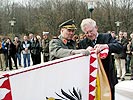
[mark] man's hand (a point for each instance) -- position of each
(80, 51)
(100, 47)
(90, 49)
(26, 49)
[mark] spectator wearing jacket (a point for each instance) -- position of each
(5, 51)
(45, 46)
(11, 53)
(2, 57)
(120, 59)
(31, 39)
(36, 51)
(130, 51)
(26, 46)
(17, 44)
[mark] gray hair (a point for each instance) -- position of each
(87, 22)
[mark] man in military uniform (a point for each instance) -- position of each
(45, 46)
(64, 46)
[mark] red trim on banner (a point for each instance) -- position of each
(92, 60)
(92, 88)
(41, 66)
(91, 97)
(92, 78)
(92, 68)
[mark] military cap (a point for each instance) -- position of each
(45, 33)
(69, 24)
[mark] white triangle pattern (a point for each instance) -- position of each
(94, 55)
(93, 93)
(3, 93)
(94, 64)
(93, 83)
(94, 73)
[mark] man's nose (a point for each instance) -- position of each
(89, 34)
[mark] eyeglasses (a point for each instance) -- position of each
(90, 31)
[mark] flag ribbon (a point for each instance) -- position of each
(103, 91)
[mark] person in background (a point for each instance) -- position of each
(35, 50)
(120, 59)
(17, 44)
(39, 39)
(11, 52)
(125, 35)
(26, 46)
(81, 36)
(76, 39)
(5, 51)
(40, 42)
(31, 38)
(98, 42)
(2, 57)
(113, 34)
(130, 49)
(45, 46)
(128, 58)
(64, 46)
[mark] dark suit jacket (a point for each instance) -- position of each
(114, 47)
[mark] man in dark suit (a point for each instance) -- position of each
(98, 42)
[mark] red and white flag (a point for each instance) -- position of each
(69, 77)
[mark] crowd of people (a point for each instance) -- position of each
(116, 64)
(123, 61)
(30, 47)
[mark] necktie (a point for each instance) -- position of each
(94, 42)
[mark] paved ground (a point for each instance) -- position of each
(127, 77)
(21, 64)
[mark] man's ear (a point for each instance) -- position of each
(62, 29)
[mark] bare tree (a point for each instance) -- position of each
(46, 15)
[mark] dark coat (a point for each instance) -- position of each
(45, 45)
(114, 47)
(123, 54)
(11, 49)
(18, 46)
(35, 48)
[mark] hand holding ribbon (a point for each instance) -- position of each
(101, 49)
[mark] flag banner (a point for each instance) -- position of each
(69, 78)
(54, 79)
(101, 89)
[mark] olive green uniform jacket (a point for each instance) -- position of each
(60, 47)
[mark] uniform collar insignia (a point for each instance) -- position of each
(64, 41)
